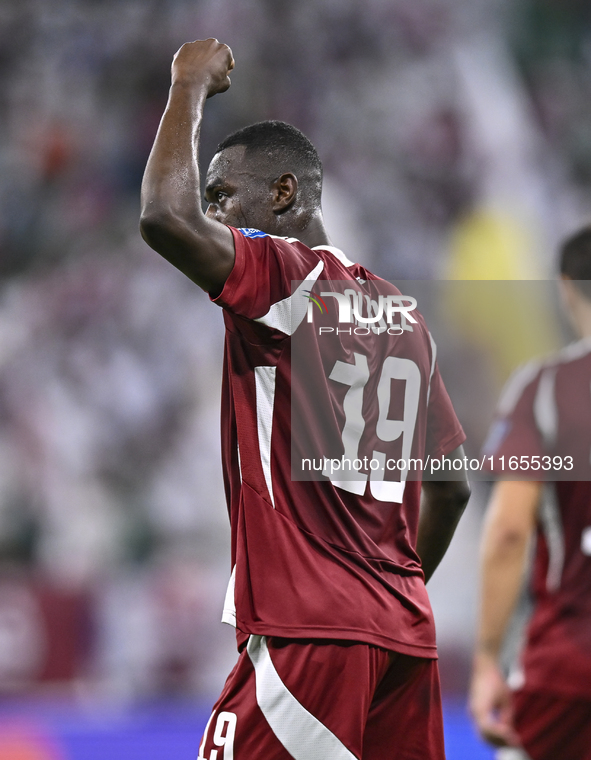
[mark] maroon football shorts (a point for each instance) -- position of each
(553, 727)
(302, 699)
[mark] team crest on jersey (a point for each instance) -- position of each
(250, 232)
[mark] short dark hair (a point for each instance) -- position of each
(286, 150)
(575, 260)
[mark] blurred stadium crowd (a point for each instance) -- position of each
(456, 139)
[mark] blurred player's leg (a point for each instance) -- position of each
(553, 728)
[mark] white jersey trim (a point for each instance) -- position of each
(433, 361)
(239, 461)
(302, 734)
(573, 351)
(551, 522)
(337, 253)
(516, 384)
(229, 611)
(265, 400)
(287, 315)
(251, 232)
(546, 409)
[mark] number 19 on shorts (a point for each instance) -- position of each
(223, 737)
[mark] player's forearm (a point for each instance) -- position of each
(443, 504)
(171, 191)
(504, 552)
(510, 520)
(172, 221)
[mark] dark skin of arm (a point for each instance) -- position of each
(238, 191)
(442, 505)
(172, 221)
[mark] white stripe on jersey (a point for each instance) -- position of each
(433, 360)
(239, 462)
(573, 351)
(265, 399)
(524, 375)
(516, 385)
(545, 407)
(551, 522)
(302, 735)
(229, 611)
(287, 315)
(337, 253)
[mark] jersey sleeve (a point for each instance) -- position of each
(264, 269)
(514, 431)
(444, 432)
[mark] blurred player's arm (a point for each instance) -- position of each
(442, 505)
(172, 220)
(508, 527)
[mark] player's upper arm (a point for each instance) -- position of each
(201, 248)
(453, 489)
(512, 511)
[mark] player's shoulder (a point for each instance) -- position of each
(577, 352)
(528, 375)
(335, 261)
(524, 377)
(251, 233)
(335, 258)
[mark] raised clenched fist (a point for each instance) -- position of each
(203, 62)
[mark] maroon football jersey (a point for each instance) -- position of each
(316, 552)
(545, 411)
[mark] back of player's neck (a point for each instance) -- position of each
(314, 234)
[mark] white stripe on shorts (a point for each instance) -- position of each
(302, 735)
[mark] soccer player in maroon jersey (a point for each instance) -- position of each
(545, 415)
(327, 592)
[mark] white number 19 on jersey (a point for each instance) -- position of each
(356, 376)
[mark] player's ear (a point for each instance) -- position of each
(285, 189)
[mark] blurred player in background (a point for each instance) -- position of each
(327, 594)
(545, 411)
